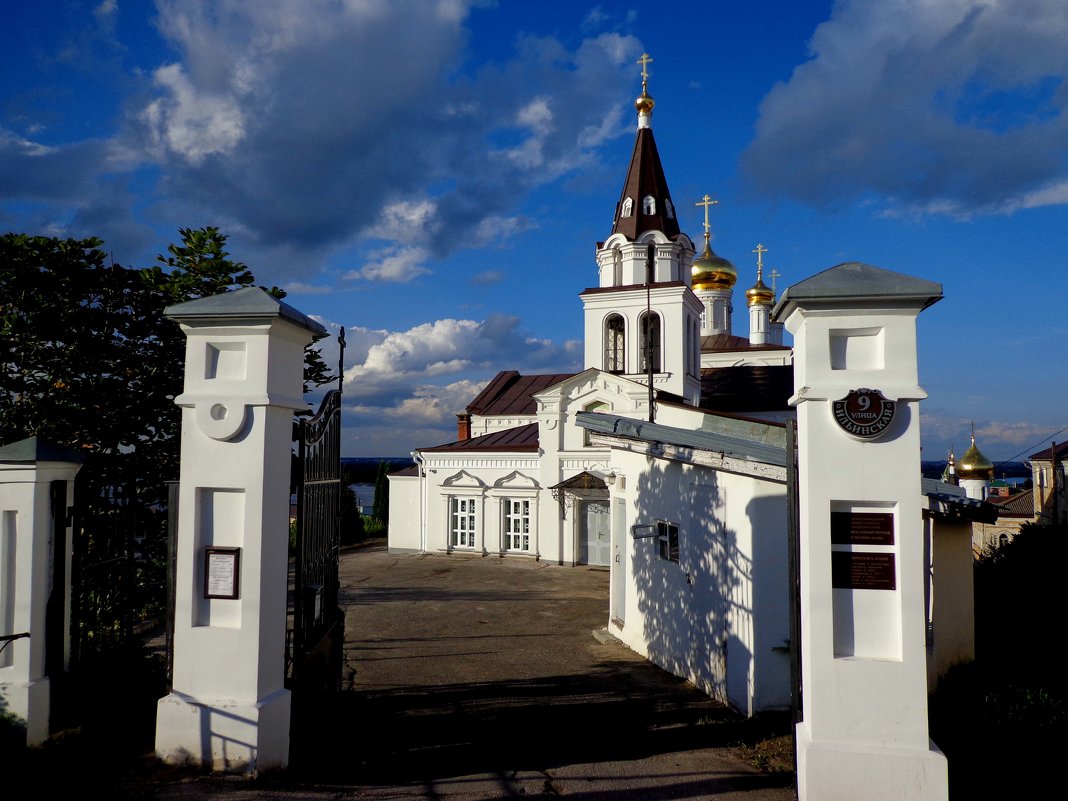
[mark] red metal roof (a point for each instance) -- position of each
(512, 393)
(1022, 504)
(1062, 452)
(720, 342)
(523, 438)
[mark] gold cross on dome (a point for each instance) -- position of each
(645, 61)
(707, 201)
(760, 251)
(774, 274)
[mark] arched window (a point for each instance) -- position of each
(649, 205)
(628, 208)
(669, 209)
(650, 342)
(1003, 540)
(596, 406)
(614, 341)
(617, 268)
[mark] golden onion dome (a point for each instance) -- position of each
(710, 271)
(973, 465)
(644, 103)
(760, 293)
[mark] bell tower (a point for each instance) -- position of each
(642, 320)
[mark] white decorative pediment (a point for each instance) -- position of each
(463, 479)
(516, 480)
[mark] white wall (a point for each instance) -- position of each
(403, 513)
(716, 615)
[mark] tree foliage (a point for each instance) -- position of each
(89, 361)
(380, 508)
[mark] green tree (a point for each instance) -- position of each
(89, 362)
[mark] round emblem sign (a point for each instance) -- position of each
(864, 413)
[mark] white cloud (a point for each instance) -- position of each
(274, 121)
(950, 107)
(463, 348)
(192, 124)
(394, 264)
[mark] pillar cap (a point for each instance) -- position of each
(857, 283)
(37, 449)
(248, 304)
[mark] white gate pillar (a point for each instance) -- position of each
(28, 573)
(864, 731)
(229, 708)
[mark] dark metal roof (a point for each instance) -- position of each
(629, 428)
(751, 388)
(645, 177)
(1022, 504)
(36, 449)
(250, 303)
(726, 342)
(413, 470)
(583, 481)
(598, 290)
(522, 438)
(512, 393)
(857, 281)
(951, 502)
(1062, 452)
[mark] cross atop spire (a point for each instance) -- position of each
(645, 61)
(760, 251)
(773, 275)
(707, 201)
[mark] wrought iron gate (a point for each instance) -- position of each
(315, 642)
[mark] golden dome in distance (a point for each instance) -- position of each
(760, 292)
(710, 271)
(973, 465)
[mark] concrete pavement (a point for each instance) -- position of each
(481, 678)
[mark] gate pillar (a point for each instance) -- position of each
(229, 708)
(36, 490)
(863, 732)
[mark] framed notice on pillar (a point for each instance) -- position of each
(222, 572)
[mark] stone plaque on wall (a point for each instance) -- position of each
(862, 528)
(851, 570)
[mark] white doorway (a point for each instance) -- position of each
(595, 536)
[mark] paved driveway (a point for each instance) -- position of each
(482, 678)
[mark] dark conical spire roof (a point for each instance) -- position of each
(645, 179)
(645, 204)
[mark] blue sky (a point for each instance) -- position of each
(433, 175)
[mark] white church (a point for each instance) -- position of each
(664, 460)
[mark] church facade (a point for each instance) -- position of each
(688, 503)
(665, 460)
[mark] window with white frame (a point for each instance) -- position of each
(668, 535)
(462, 522)
(517, 525)
(650, 342)
(614, 344)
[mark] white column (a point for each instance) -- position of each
(864, 676)
(229, 708)
(27, 575)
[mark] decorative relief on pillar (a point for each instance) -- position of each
(222, 420)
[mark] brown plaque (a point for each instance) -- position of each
(864, 413)
(862, 528)
(863, 571)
